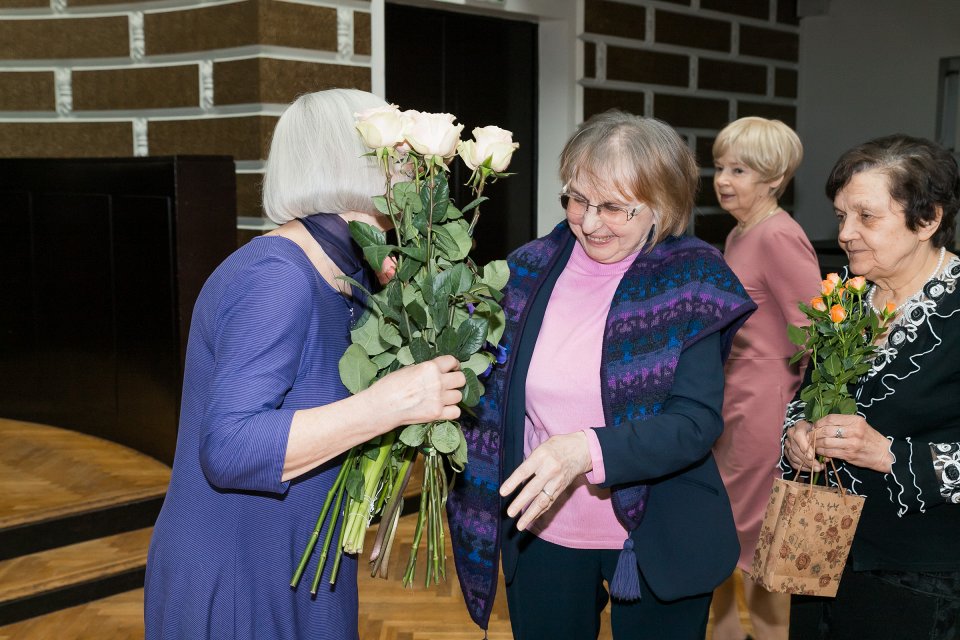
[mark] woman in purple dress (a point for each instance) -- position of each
(264, 417)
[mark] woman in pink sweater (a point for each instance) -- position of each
(755, 159)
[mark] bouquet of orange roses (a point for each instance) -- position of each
(840, 343)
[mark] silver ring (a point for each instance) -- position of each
(548, 494)
(839, 433)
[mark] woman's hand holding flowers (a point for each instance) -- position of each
(548, 471)
(798, 447)
(846, 437)
(418, 393)
(859, 443)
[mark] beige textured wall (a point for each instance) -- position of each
(105, 78)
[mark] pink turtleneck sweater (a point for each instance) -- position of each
(563, 396)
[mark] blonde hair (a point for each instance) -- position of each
(769, 147)
(316, 162)
(644, 158)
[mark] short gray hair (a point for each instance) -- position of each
(317, 162)
(642, 157)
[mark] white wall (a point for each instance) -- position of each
(867, 68)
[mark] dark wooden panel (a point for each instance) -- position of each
(479, 95)
(103, 262)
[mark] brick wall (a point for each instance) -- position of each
(697, 65)
(102, 78)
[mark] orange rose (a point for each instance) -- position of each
(857, 284)
(889, 308)
(834, 278)
(818, 304)
(837, 313)
(827, 287)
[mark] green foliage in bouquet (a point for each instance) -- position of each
(438, 302)
(839, 342)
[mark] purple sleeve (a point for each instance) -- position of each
(258, 345)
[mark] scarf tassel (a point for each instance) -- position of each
(626, 579)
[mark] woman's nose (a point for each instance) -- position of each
(845, 231)
(591, 219)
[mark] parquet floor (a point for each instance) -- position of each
(47, 472)
(387, 610)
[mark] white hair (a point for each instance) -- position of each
(317, 162)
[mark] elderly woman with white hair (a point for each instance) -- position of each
(264, 417)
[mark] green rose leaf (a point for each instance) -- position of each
(458, 459)
(367, 334)
(418, 314)
(366, 235)
(354, 484)
(496, 320)
(453, 240)
(472, 390)
(408, 268)
(390, 335)
(471, 335)
(376, 254)
(475, 203)
(414, 434)
(832, 365)
(847, 407)
(496, 274)
(384, 360)
(796, 335)
(439, 312)
(477, 363)
(357, 371)
(421, 350)
(460, 279)
(404, 356)
(441, 197)
(452, 212)
(406, 196)
(380, 203)
(417, 253)
(447, 342)
(445, 436)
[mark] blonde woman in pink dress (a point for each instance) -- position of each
(755, 159)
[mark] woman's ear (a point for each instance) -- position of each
(775, 184)
(927, 228)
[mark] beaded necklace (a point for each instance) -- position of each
(936, 271)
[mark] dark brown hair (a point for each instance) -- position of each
(921, 175)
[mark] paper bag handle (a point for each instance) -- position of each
(836, 475)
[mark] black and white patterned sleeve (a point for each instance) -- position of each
(946, 462)
(794, 414)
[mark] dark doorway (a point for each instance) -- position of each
(484, 71)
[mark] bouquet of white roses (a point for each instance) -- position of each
(438, 302)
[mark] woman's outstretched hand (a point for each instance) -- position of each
(548, 470)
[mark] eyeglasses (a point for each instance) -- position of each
(577, 206)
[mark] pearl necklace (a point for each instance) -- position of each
(743, 227)
(936, 271)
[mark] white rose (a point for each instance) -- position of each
(432, 134)
(492, 147)
(381, 126)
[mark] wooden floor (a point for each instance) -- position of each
(46, 473)
(35, 484)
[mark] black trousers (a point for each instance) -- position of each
(558, 593)
(882, 605)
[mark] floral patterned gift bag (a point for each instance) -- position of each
(805, 538)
